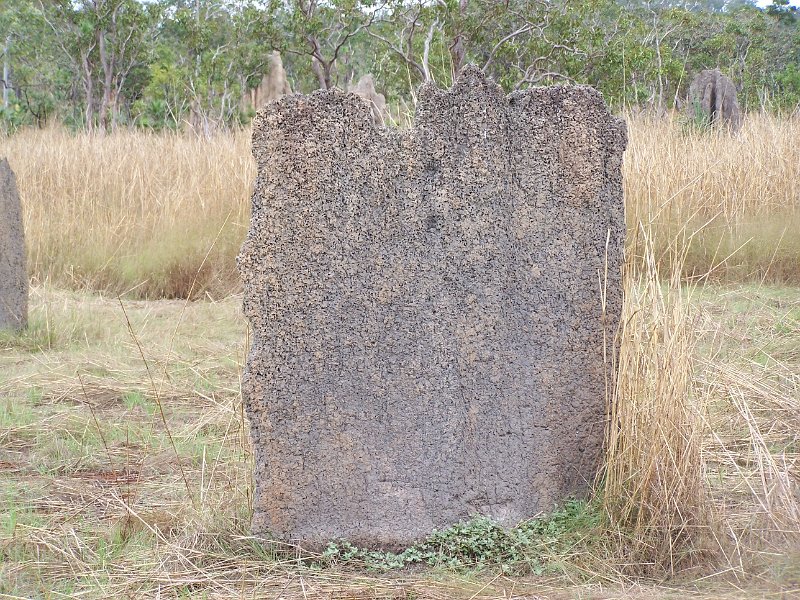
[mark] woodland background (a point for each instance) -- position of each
(166, 64)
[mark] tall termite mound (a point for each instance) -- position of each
(431, 308)
(712, 98)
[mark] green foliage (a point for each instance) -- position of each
(783, 11)
(533, 546)
(168, 63)
(37, 79)
(787, 87)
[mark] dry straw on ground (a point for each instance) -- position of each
(701, 484)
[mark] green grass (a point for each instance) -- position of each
(14, 414)
(134, 399)
(36, 337)
(16, 516)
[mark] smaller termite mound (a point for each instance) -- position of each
(13, 271)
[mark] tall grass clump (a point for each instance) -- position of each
(163, 215)
(732, 201)
(702, 465)
(653, 489)
(153, 215)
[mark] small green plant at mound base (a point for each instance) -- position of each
(533, 546)
(696, 120)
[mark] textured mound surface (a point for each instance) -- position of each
(13, 274)
(429, 308)
(712, 97)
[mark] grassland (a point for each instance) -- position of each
(153, 216)
(102, 495)
(135, 214)
(124, 453)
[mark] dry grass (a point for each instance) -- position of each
(654, 489)
(717, 206)
(702, 466)
(703, 462)
(93, 500)
(137, 213)
(124, 455)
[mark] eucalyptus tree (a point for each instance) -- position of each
(324, 32)
(103, 41)
(35, 79)
(208, 54)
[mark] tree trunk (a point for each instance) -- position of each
(88, 89)
(108, 78)
(6, 73)
(457, 53)
(323, 73)
(458, 49)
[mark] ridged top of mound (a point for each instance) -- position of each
(434, 104)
